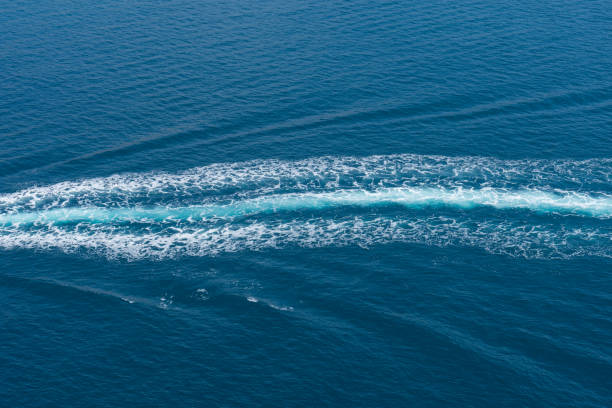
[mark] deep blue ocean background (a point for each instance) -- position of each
(286, 203)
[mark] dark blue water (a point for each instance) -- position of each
(276, 203)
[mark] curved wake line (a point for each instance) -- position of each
(418, 197)
(315, 174)
(197, 212)
(505, 238)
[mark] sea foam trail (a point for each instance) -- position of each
(505, 238)
(260, 177)
(213, 209)
(416, 197)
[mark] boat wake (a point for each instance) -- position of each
(540, 209)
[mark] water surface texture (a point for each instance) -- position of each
(242, 203)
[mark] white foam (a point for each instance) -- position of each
(270, 176)
(167, 215)
(509, 238)
(413, 197)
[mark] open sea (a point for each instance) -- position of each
(306, 204)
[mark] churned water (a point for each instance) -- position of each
(295, 204)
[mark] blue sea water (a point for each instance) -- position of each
(364, 203)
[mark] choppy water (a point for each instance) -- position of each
(287, 204)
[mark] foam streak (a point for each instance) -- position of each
(535, 200)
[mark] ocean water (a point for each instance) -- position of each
(239, 203)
